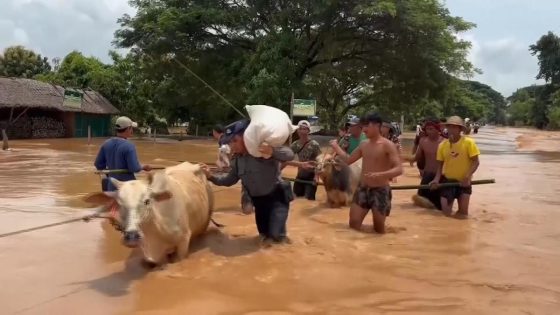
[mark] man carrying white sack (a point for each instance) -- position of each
(262, 179)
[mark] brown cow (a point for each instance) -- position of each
(340, 180)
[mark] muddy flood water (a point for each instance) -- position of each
(504, 260)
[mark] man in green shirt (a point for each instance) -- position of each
(355, 136)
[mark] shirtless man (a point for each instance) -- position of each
(427, 152)
(380, 163)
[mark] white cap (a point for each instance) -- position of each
(304, 123)
(124, 122)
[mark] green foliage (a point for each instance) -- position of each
(16, 61)
(386, 54)
(547, 50)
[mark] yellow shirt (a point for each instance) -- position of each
(456, 157)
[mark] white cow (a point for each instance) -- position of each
(163, 214)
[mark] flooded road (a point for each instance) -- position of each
(503, 260)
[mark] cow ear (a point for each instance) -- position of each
(161, 196)
(99, 198)
(117, 183)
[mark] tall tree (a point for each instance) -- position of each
(264, 50)
(17, 61)
(547, 50)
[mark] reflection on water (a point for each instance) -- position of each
(502, 260)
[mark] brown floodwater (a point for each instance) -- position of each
(503, 260)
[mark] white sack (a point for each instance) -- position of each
(268, 124)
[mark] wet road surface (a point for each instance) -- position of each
(503, 260)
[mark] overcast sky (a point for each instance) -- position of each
(505, 29)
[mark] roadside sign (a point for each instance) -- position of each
(304, 107)
(72, 98)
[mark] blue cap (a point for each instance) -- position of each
(234, 129)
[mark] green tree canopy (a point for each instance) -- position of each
(261, 51)
(17, 61)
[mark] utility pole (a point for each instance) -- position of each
(291, 114)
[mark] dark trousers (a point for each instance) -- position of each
(432, 195)
(307, 190)
(271, 214)
(245, 198)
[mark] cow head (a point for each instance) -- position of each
(333, 171)
(325, 163)
(135, 199)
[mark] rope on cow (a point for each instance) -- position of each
(84, 218)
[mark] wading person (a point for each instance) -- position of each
(389, 133)
(457, 162)
(261, 178)
(119, 153)
(355, 136)
(307, 151)
(343, 137)
(224, 163)
(380, 163)
(420, 133)
(427, 152)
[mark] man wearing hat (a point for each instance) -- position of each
(262, 179)
(355, 137)
(458, 161)
(307, 151)
(119, 153)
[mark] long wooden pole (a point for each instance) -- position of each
(404, 187)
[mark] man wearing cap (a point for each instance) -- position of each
(356, 136)
(119, 153)
(262, 179)
(307, 151)
(457, 162)
(224, 152)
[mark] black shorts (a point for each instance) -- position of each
(375, 198)
(432, 195)
(451, 193)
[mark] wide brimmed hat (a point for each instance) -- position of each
(455, 121)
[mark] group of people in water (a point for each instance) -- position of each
(443, 155)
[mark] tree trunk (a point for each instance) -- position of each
(5, 145)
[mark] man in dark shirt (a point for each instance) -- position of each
(262, 180)
(218, 134)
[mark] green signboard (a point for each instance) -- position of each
(304, 107)
(72, 99)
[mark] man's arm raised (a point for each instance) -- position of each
(349, 159)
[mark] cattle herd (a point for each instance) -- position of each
(176, 204)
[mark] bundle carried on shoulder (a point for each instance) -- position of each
(268, 125)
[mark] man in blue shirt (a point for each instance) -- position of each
(119, 153)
